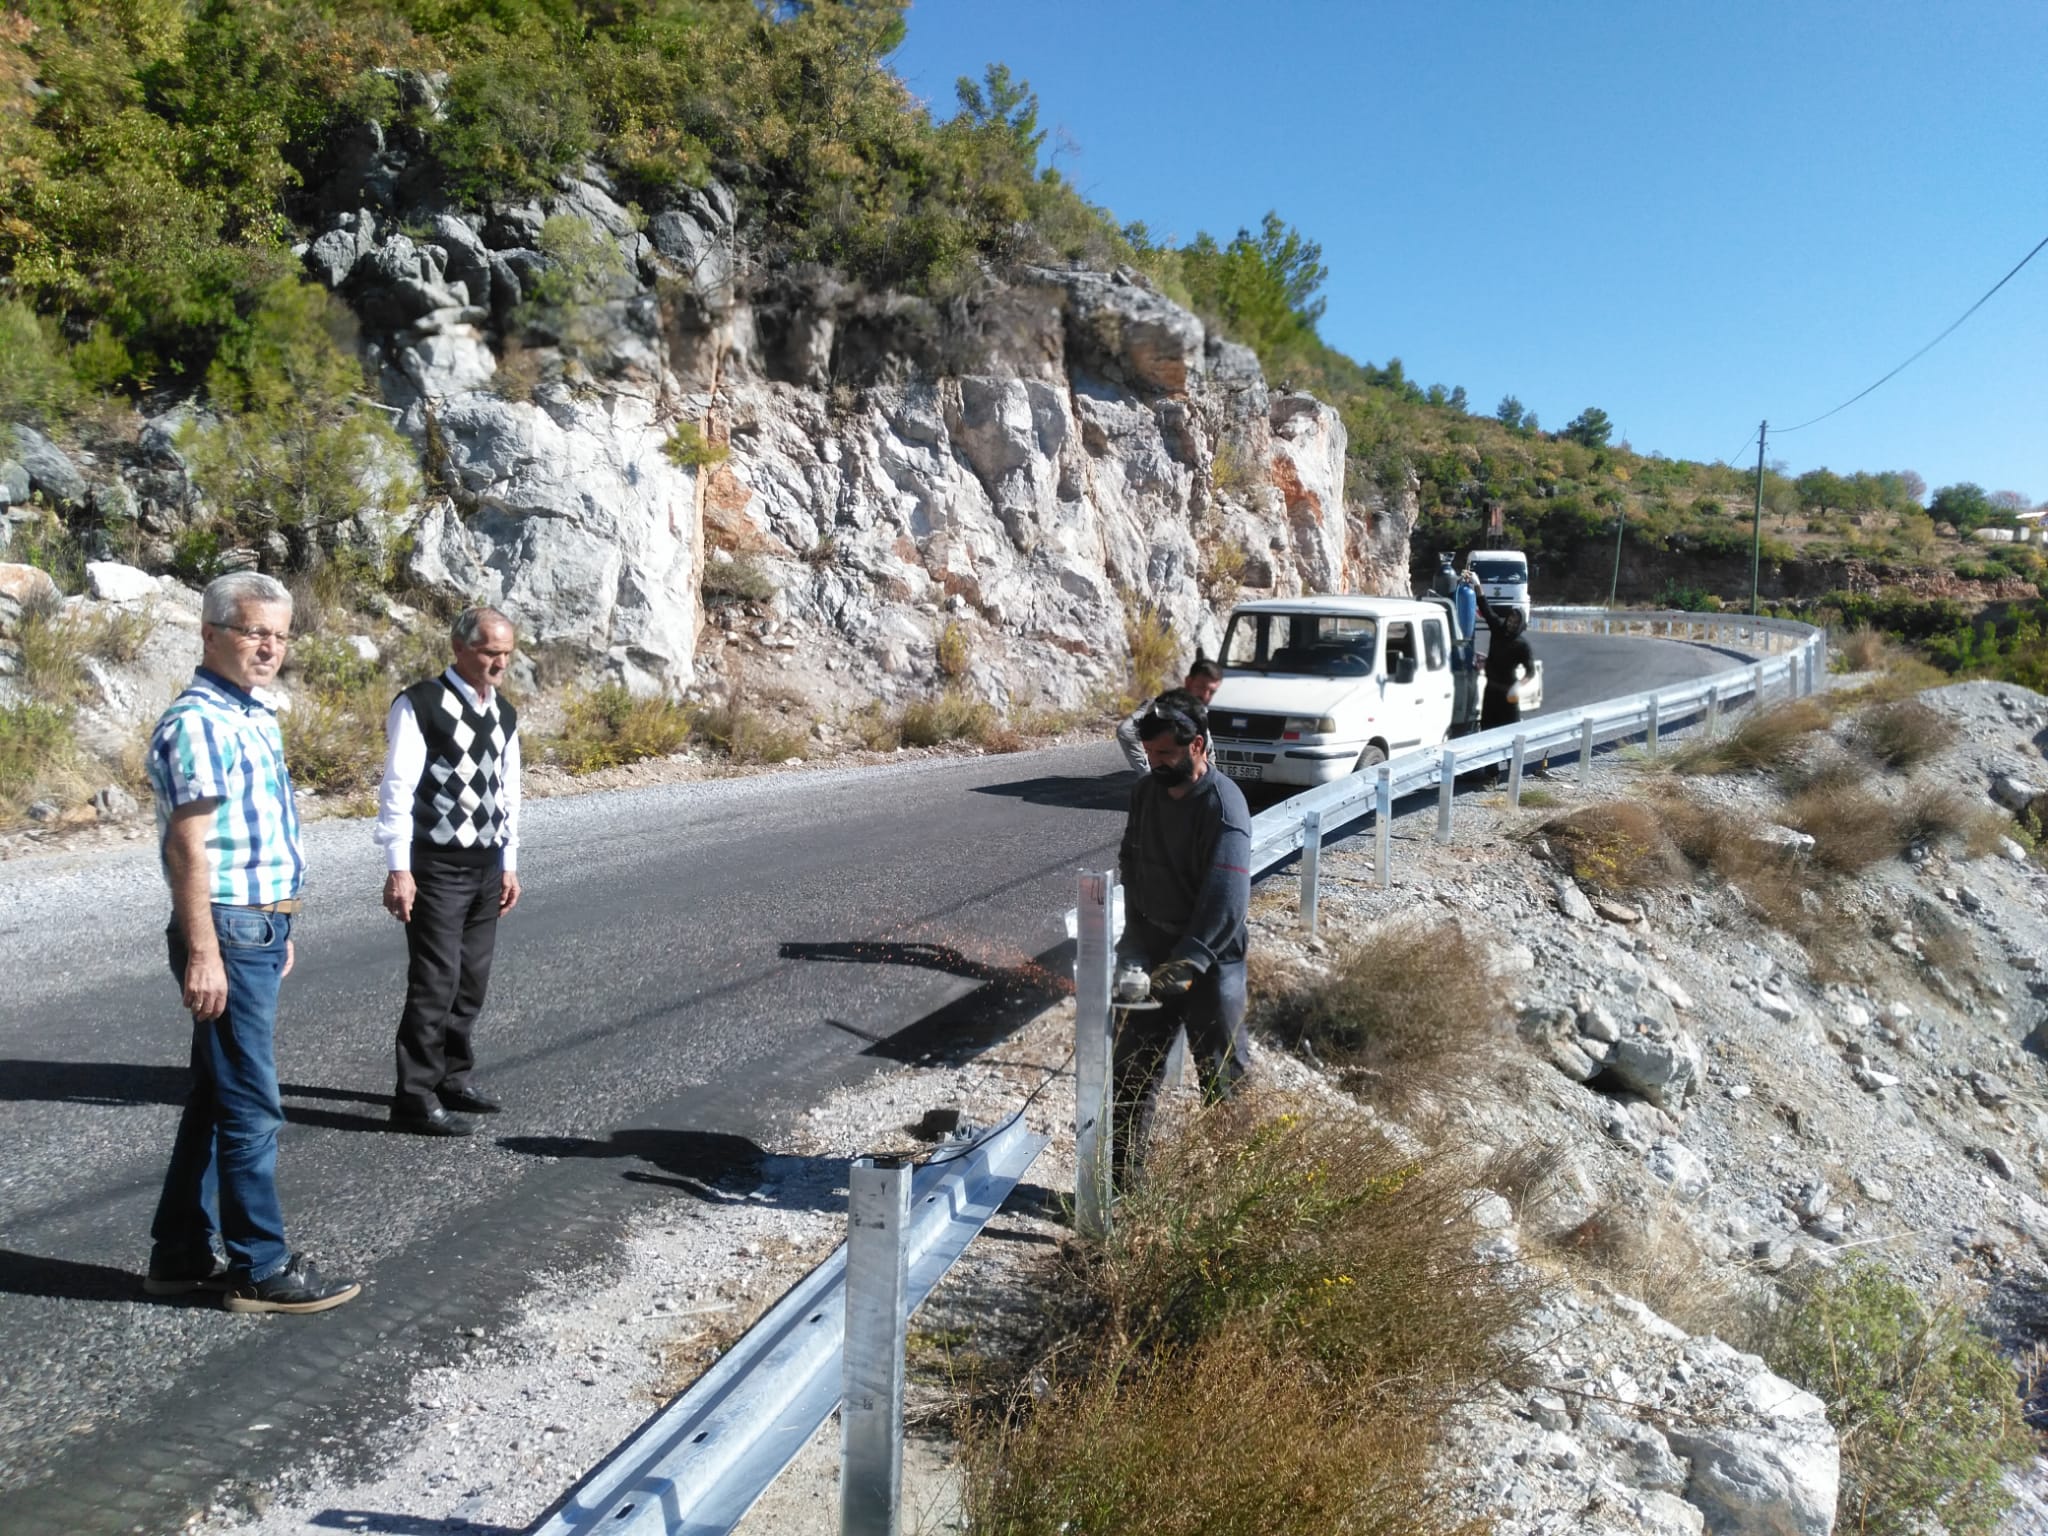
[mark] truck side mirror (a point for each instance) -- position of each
(1404, 669)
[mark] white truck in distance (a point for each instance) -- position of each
(1317, 687)
(1503, 576)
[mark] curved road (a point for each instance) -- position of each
(692, 965)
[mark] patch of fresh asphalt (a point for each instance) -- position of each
(692, 965)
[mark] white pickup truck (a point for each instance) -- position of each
(1316, 687)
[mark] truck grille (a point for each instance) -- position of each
(1226, 723)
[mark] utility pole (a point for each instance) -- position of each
(1756, 537)
(1620, 521)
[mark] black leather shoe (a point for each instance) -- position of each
(298, 1287)
(182, 1277)
(434, 1121)
(468, 1101)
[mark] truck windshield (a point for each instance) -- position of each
(1307, 644)
(1494, 572)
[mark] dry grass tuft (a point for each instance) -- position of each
(944, 717)
(1935, 815)
(1851, 828)
(1650, 1251)
(1614, 848)
(1287, 1309)
(1764, 739)
(1904, 677)
(1405, 1007)
(748, 736)
(1864, 650)
(1904, 733)
(1221, 1437)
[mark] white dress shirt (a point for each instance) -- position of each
(406, 760)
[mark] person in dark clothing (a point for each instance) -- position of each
(1508, 660)
(1186, 869)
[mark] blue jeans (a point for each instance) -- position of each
(226, 1149)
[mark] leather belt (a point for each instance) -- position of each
(288, 907)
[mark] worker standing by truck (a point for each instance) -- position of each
(1509, 659)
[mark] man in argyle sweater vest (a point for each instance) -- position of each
(448, 821)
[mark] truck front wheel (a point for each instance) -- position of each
(1371, 757)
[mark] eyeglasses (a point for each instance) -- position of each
(259, 636)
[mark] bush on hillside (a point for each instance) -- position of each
(1927, 1413)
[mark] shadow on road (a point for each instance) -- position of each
(114, 1083)
(35, 1274)
(715, 1166)
(1099, 792)
(1009, 996)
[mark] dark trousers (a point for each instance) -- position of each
(449, 943)
(1212, 1013)
(1496, 708)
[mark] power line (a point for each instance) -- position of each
(1926, 349)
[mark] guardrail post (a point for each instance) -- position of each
(1446, 792)
(1650, 728)
(1311, 867)
(1383, 827)
(1756, 686)
(1515, 761)
(1585, 749)
(877, 1285)
(1713, 711)
(1094, 967)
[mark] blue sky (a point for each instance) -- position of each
(1692, 216)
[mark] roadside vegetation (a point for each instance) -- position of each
(1929, 1416)
(1288, 1308)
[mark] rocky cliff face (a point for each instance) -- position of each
(1028, 466)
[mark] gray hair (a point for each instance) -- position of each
(468, 627)
(226, 596)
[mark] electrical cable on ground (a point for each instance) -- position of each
(1781, 431)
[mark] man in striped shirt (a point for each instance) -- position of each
(229, 837)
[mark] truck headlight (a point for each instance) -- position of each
(1316, 725)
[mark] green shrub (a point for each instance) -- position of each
(955, 650)
(33, 739)
(334, 738)
(1927, 1413)
(944, 717)
(49, 545)
(606, 726)
(508, 125)
(747, 736)
(292, 448)
(1152, 648)
(689, 448)
(36, 381)
(741, 579)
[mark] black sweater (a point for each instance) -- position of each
(1186, 868)
(1504, 656)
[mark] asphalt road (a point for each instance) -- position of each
(691, 966)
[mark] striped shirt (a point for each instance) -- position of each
(218, 742)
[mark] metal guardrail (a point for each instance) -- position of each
(1797, 655)
(698, 1465)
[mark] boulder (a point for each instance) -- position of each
(332, 256)
(113, 803)
(399, 282)
(1662, 1070)
(1780, 1478)
(49, 469)
(112, 582)
(1681, 1170)
(514, 227)
(14, 486)
(1572, 902)
(20, 587)
(466, 259)
(1118, 326)
(2014, 792)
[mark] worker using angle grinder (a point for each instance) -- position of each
(1186, 870)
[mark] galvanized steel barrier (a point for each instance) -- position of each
(699, 1464)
